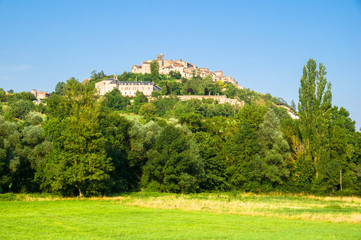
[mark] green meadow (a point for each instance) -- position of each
(174, 216)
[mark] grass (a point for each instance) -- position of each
(289, 207)
(132, 116)
(172, 216)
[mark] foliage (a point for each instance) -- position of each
(97, 76)
(175, 75)
(116, 131)
(147, 110)
(20, 108)
(210, 151)
(59, 88)
(115, 101)
(22, 152)
(76, 143)
(274, 150)
(314, 110)
(3, 96)
(154, 70)
(174, 164)
(78, 164)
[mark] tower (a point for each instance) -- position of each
(160, 60)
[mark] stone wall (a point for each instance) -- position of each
(222, 99)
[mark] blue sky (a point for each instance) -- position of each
(262, 44)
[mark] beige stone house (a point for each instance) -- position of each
(126, 88)
(40, 95)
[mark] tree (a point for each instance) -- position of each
(193, 121)
(154, 70)
(139, 100)
(115, 129)
(241, 150)
(174, 164)
(2, 95)
(210, 150)
(115, 101)
(97, 76)
(21, 96)
(314, 110)
(22, 153)
(165, 105)
(274, 150)
(175, 75)
(293, 105)
(59, 88)
(147, 110)
(19, 109)
(342, 159)
(142, 139)
(9, 163)
(78, 163)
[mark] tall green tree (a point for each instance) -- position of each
(154, 70)
(78, 163)
(315, 102)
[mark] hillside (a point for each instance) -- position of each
(188, 137)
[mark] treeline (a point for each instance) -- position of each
(79, 144)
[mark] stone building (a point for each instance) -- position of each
(144, 68)
(231, 80)
(40, 95)
(186, 69)
(126, 88)
(219, 75)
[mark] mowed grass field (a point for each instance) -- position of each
(172, 216)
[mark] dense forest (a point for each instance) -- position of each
(76, 143)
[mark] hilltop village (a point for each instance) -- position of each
(166, 67)
(186, 69)
(150, 88)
